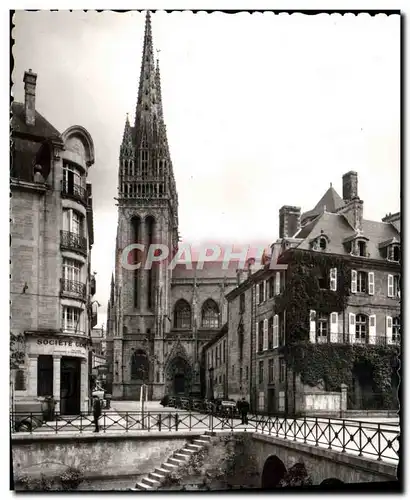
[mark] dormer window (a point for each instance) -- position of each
(390, 250)
(394, 253)
(320, 243)
(361, 246)
(357, 245)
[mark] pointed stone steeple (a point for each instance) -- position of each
(159, 94)
(112, 290)
(127, 147)
(147, 108)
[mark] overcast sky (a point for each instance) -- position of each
(261, 110)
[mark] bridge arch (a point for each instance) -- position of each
(273, 471)
(331, 481)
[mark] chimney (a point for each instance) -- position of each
(391, 217)
(30, 79)
(289, 221)
(240, 276)
(350, 186)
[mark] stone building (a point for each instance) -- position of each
(160, 318)
(217, 365)
(51, 226)
(268, 313)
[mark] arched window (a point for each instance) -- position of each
(182, 315)
(210, 314)
(362, 327)
(139, 366)
(322, 243)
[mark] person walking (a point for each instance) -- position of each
(244, 409)
(96, 412)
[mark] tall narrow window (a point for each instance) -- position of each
(270, 333)
(73, 179)
(362, 282)
(210, 314)
(71, 270)
(322, 329)
(282, 370)
(261, 372)
(150, 224)
(182, 315)
(270, 371)
(396, 329)
(362, 248)
(260, 337)
(72, 320)
(362, 327)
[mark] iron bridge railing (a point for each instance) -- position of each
(378, 441)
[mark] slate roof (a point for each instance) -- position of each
(337, 229)
(330, 202)
(41, 129)
(27, 141)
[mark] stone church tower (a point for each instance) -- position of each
(155, 332)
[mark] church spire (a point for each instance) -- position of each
(112, 290)
(147, 98)
(158, 88)
(127, 145)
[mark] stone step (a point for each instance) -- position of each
(181, 456)
(195, 447)
(187, 452)
(157, 476)
(176, 461)
(143, 486)
(169, 466)
(151, 482)
(201, 442)
(205, 437)
(161, 471)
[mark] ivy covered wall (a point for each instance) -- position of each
(331, 364)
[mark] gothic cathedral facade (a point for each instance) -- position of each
(159, 319)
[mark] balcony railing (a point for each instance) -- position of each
(340, 338)
(73, 241)
(74, 191)
(73, 288)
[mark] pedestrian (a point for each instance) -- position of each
(244, 408)
(96, 412)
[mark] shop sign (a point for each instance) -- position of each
(65, 343)
(63, 347)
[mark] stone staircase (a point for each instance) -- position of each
(155, 479)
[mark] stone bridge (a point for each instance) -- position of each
(275, 456)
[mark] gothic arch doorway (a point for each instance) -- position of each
(179, 375)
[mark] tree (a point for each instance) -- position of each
(16, 350)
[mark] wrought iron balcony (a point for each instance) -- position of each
(74, 191)
(340, 338)
(73, 288)
(73, 241)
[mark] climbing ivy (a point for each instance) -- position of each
(303, 292)
(331, 364)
